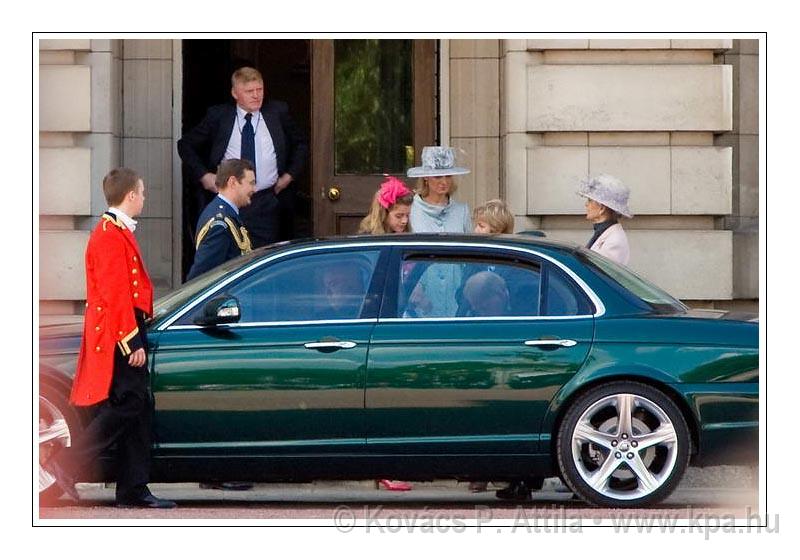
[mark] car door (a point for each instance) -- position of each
(289, 377)
(471, 346)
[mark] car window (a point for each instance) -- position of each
(186, 292)
(312, 287)
(633, 284)
(562, 297)
(438, 287)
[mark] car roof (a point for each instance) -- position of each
(511, 240)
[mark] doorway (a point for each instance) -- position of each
(374, 109)
(316, 79)
(207, 68)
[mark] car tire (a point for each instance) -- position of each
(635, 463)
(58, 422)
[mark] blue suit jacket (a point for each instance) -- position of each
(216, 243)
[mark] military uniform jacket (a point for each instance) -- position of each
(116, 283)
(220, 237)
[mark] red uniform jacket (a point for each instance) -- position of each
(116, 282)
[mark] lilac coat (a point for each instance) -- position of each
(613, 244)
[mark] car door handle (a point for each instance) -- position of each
(330, 345)
(551, 342)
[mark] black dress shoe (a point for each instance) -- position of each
(64, 481)
(516, 491)
(146, 502)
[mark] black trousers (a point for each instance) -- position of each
(124, 419)
(262, 218)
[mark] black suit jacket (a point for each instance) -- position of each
(203, 147)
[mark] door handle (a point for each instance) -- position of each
(551, 342)
(334, 193)
(330, 345)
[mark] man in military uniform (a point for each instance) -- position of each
(112, 373)
(220, 233)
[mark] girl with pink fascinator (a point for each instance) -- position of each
(390, 209)
(389, 213)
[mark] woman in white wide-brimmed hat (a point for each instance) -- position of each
(607, 201)
(434, 210)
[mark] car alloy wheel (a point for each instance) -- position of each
(54, 433)
(623, 444)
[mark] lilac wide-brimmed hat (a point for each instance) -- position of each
(437, 161)
(608, 191)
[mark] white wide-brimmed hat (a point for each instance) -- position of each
(608, 191)
(437, 161)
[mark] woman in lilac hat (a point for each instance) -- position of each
(606, 201)
(434, 210)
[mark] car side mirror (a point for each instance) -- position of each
(221, 310)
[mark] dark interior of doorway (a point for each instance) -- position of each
(207, 68)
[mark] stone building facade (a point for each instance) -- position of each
(677, 120)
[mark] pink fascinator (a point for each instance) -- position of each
(391, 189)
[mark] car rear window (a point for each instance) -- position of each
(652, 295)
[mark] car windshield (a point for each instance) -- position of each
(651, 294)
(174, 300)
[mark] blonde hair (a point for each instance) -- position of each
(422, 187)
(375, 221)
(496, 214)
(246, 74)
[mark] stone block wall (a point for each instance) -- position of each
(102, 104)
(80, 95)
(675, 119)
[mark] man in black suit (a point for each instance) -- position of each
(220, 233)
(258, 131)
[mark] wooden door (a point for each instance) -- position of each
(373, 109)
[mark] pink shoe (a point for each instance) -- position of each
(394, 485)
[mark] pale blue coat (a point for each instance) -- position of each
(440, 280)
(454, 217)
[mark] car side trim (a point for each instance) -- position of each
(462, 319)
(275, 324)
(600, 309)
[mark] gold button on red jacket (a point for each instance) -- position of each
(112, 255)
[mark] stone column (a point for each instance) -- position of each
(743, 221)
(475, 117)
(148, 146)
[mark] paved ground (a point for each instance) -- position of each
(342, 503)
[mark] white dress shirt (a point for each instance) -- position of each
(231, 204)
(266, 160)
(129, 222)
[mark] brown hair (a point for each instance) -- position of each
(232, 168)
(422, 187)
(118, 183)
(375, 222)
(246, 74)
(496, 214)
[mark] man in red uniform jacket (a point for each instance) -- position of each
(112, 372)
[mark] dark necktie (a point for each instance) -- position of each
(249, 141)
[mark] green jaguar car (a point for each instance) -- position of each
(421, 357)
